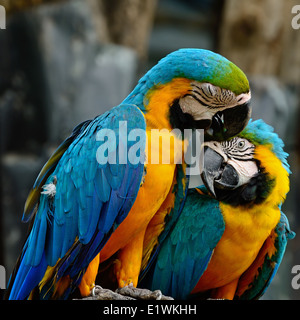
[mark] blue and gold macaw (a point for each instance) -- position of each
(88, 204)
(231, 235)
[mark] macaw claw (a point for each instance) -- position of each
(126, 293)
(142, 294)
(99, 293)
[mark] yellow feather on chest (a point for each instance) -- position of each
(244, 235)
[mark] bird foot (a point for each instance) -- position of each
(99, 293)
(142, 294)
(127, 293)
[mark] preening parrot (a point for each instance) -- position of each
(92, 201)
(231, 235)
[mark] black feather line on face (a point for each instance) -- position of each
(180, 120)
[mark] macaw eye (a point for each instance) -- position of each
(241, 144)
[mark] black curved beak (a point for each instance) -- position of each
(217, 175)
(228, 123)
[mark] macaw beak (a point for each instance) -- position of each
(217, 175)
(228, 123)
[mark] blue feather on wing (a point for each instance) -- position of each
(91, 199)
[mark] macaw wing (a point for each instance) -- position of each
(257, 278)
(32, 200)
(85, 197)
(186, 251)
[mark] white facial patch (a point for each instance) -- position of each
(199, 112)
(205, 100)
(245, 169)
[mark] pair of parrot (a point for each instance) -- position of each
(85, 210)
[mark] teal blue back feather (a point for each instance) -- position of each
(185, 253)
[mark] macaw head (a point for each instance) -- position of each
(196, 89)
(248, 169)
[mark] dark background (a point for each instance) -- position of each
(62, 62)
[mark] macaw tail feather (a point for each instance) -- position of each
(25, 278)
